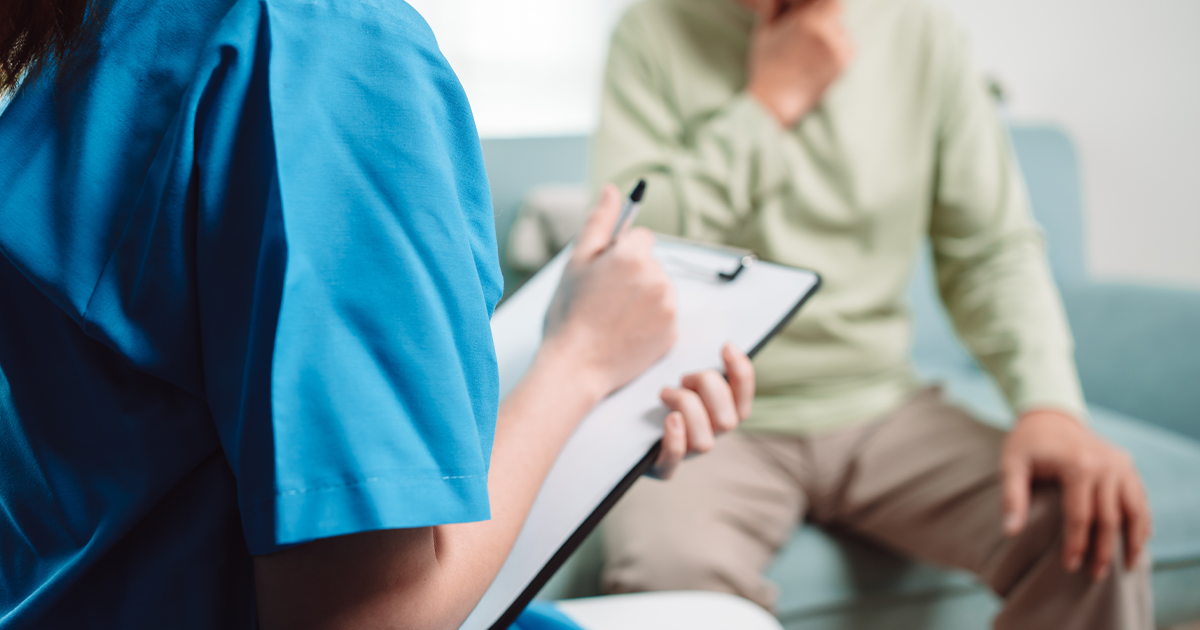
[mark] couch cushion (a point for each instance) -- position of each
(819, 571)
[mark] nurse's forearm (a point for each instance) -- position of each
(533, 425)
(432, 577)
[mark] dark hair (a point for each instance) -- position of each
(37, 33)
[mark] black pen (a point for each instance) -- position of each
(629, 212)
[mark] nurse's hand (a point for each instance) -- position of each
(614, 312)
(614, 315)
(705, 405)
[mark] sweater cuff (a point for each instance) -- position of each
(763, 140)
(1045, 380)
(751, 115)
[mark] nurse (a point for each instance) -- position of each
(246, 369)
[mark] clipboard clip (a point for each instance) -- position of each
(745, 261)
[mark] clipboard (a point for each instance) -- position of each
(723, 295)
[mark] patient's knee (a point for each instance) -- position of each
(1040, 541)
(655, 562)
(671, 563)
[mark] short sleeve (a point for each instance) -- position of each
(346, 270)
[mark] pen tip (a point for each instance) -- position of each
(638, 190)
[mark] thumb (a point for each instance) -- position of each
(1016, 496)
(598, 230)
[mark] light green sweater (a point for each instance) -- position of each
(905, 145)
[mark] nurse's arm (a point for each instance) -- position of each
(612, 317)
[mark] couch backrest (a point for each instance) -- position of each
(514, 165)
(1051, 168)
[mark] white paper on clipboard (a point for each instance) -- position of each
(619, 432)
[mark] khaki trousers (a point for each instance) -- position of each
(925, 481)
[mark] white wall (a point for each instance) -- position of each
(530, 67)
(1123, 78)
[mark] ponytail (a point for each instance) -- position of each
(35, 34)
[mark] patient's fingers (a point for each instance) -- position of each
(1079, 507)
(1137, 518)
(717, 397)
(695, 417)
(1108, 526)
(739, 371)
(705, 406)
(674, 447)
(1016, 473)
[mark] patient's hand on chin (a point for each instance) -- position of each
(614, 312)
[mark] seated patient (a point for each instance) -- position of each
(247, 379)
(838, 136)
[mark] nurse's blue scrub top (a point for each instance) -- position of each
(248, 267)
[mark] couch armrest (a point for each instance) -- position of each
(1138, 350)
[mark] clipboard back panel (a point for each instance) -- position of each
(611, 447)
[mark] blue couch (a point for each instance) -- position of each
(1138, 350)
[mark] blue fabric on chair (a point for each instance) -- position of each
(1138, 350)
(1051, 170)
(543, 616)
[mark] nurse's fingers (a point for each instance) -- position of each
(598, 230)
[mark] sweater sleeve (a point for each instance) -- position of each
(990, 255)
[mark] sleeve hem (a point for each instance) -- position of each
(767, 150)
(1080, 413)
(746, 109)
(377, 503)
(1057, 389)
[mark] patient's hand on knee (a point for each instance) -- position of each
(1102, 493)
